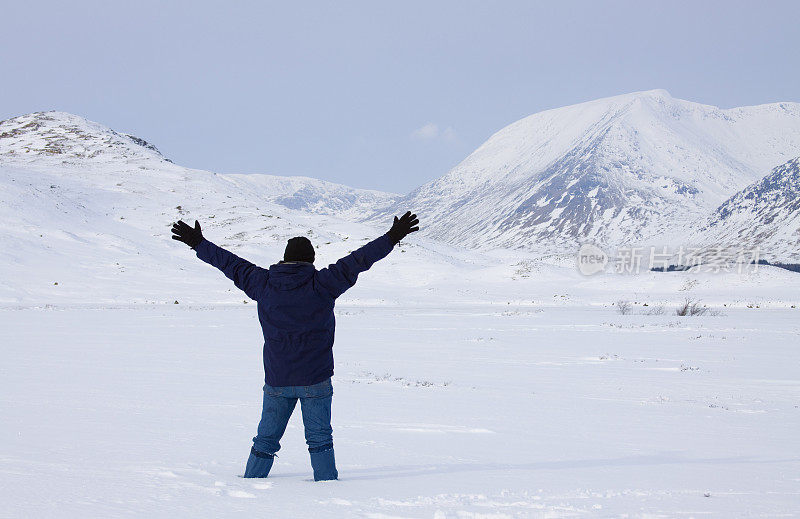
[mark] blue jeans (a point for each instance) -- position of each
(279, 402)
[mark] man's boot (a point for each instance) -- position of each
(258, 464)
(324, 464)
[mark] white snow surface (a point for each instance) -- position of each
(468, 383)
(442, 409)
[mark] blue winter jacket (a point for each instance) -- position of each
(295, 307)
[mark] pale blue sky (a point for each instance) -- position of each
(374, 94)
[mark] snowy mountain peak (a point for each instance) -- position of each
(656, 92)
(618, 170)
(657, 95)
(61, 136)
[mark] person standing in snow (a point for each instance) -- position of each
(295, 309)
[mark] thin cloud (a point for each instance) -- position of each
(449, 134)
(431, 131)
(427, 132)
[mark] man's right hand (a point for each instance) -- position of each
(403, 226)
(182, 232)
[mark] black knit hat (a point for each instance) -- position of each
(299, 248)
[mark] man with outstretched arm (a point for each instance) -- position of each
(295, 308)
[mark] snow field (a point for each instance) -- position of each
(439, 411)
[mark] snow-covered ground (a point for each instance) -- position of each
(441, 409)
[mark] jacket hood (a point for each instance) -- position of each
(286, 276)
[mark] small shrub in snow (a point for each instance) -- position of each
(691, 308)
(623, 307)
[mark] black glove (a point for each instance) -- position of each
(182, 232)
(402, 227)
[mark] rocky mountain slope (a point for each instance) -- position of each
(66, 138)
(765, 214)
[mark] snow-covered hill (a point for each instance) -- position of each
(765, 214)
(314, 195)
(616, 171)
(49, 141)
(85, 216)
(68, 139)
